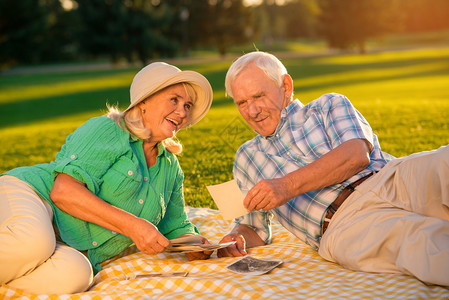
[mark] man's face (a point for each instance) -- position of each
(259, 99)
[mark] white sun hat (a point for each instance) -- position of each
(159, 75)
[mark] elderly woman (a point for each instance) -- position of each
(115, 182)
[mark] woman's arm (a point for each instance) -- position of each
(71, 196)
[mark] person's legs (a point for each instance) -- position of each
(418, 183)
(26, 232)
(396, 221)
(28, 243)
(389, 240)
(67, 271)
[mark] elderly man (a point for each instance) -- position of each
(319, 169)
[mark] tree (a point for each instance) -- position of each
(149, 31)
(349, 23)
(60, 41)
(22, 28)
(300, 18)
(126, 29)
(103, 27)
(35, 32)
(424, 15)
(220, 23)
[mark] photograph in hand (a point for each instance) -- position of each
(193, 244)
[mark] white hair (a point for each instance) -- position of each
(267, 62)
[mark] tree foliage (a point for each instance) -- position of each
(349, 23)
(424, 15)
(300, 18)
(220, 23)
(36, 31)
(22, 24)
(130, 29)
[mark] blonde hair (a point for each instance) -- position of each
(133, 121)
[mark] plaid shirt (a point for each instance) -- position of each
(304, 134)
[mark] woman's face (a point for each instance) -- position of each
(166, 112)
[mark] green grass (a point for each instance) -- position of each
(404, 95)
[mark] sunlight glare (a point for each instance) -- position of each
(67, 4)
(259, 2)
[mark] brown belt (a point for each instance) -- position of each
(340, 199)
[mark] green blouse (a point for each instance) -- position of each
(112, 165)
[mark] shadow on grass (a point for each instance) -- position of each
(312, 66)
(32, 110)
(342, 82)
(38, 109)
(28, 111)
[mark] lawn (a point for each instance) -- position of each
(403, 94)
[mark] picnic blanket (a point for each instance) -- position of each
(303, 275)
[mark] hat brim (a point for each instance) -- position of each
(202, 89)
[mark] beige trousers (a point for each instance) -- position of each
(30, 257)
(397, 221)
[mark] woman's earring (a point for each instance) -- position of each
(143, 111)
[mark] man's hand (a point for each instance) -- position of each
(244, 236)
(337, 165)
(237, 249)
(268, 194)
(349, 158)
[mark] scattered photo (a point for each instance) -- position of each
(249, 265)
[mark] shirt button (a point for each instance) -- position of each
(141, 201)
(72, 156)
(94, 243)
(145, 178)
(130, 172)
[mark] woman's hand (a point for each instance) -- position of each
(198, 255)
(147, 237)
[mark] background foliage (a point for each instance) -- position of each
(42, 31)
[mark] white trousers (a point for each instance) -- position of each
(397, 221)
(30, 257)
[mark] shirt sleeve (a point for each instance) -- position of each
(175, 221)
(259, 221)
(90, 151)
(342, 121)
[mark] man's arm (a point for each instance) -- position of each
(334, 167)
(245, 238)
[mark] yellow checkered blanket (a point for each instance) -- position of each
(304, 274)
